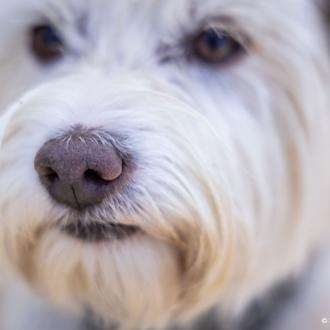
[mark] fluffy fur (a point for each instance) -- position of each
(232, 181)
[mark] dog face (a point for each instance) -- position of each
(161, 156)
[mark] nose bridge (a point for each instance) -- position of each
(94, 85)
(121, 59)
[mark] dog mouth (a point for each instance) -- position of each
(94, 232)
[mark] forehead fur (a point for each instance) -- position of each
(156, 11)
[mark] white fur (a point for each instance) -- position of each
(232, 182)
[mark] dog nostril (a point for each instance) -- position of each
(49, 174)
(95, 177)
(52, 177)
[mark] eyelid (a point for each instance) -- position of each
(46, 43)
(75, 43)
(54, 26)
(227, 25)
(183, 47)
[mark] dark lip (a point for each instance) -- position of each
(98, 232)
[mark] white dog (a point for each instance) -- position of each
(162, 158)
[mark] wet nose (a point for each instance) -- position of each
(78, 172)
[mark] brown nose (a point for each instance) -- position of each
(78, 172)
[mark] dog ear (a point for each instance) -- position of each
(326, 10)
(324, 6)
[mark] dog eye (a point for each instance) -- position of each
(47, 43)
(216, 46)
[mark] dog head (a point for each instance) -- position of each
(161, 157)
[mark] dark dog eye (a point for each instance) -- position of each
(47, 43)
(216, 46)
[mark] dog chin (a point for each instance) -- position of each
(136, 279)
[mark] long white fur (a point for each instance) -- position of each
(233, 164)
